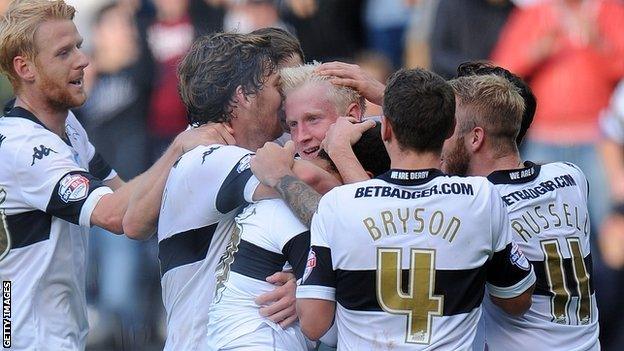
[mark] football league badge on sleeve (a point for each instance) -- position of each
(73, 187)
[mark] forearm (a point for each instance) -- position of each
(350, 169)
(300, 197)
(315, 316)
(146, 190)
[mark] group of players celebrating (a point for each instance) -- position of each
(423, 230)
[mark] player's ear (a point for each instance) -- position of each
(386, 130)
(24, 68)
(476, 139)
(241, 99)
(354, 110)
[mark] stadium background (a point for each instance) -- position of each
(133, 111)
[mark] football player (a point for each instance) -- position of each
(411, 229)
(547, 206)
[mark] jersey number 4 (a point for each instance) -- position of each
(557, 281)
(5, 238)
(420, 303)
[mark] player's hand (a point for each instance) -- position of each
(207, 134)
(355, 77)
(279, 304)
(272, 162)
(345, 132)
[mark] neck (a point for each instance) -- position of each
(52, 118)
(411, 160)
(483, 166)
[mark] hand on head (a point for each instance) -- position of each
(345, 132)
(355, 77)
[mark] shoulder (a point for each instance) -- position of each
(562, 168)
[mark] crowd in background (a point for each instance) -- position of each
(571, 52)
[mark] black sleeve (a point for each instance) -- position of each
(232, 191)
(507, 267)
(99, 167)
(296, 251)
(319, 268)
(70, 194)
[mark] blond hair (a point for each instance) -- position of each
(492, 103)
(292, 78)
(19, 26)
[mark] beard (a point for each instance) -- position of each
(59, 96)
(456, 161)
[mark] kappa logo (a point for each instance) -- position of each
(73, 187)
(208, 152)
(41, 152)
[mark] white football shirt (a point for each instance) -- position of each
(547, 206)
(48, 189)
(407, 256)
(268, 239)
(205, 190)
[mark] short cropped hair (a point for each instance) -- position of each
(292, 78)
(283, 44)
(492, 103)
(215, 66)
(19, 26)
(369, 151)
(530, 103)
(419, 105)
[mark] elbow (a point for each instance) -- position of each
(518, 309)
(112, 223)
(311, 331)
(516, 306)
(313, 322)
(135, 229)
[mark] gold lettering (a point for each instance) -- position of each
(374, 232)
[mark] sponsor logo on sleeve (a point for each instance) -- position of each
(244, 164)
(517, 258)
(309, 265)
(73, 187)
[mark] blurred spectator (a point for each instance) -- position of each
(249, 15)
(114, 116)
(454, 37)
(571, 52)
(417, 50)
(612, 231)
(169, 37)
(385, 23)
(328, 29)
(379, 67)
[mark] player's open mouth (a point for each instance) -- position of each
(76, 82)
(311, 151)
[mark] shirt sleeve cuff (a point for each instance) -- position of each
(514, 290)
(90, 203)
(250, 189)
(110, 176)
(316, 292)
